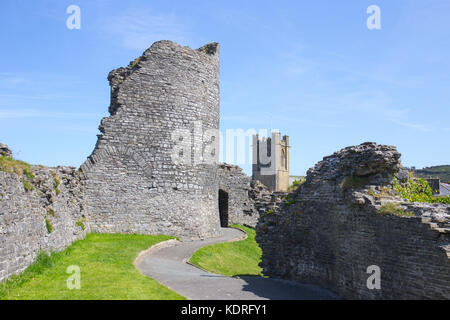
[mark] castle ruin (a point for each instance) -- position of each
(346, 220)
(155, 170)
(165, 101)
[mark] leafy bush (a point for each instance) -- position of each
(418, 190)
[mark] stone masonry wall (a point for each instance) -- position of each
(57, 197)
(133, 184)
(333, 230)
(248, 198)
(237, 184)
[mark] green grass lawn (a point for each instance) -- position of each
(107, 272)
(231, 258)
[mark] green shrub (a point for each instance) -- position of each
(418, 190)
(270, 211)
(394, 209)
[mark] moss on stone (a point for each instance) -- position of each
(48, 225)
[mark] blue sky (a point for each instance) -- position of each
(311, 69)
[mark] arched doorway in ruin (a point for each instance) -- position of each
(223, 208)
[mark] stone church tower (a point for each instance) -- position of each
(271, 161)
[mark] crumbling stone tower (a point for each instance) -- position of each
(271, 161)
(167, 98)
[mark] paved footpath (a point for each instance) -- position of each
(166, 263)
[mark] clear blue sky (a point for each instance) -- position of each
(311, 69)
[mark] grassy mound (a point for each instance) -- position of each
(106, 268)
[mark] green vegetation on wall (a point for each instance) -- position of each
(296, 184)
(80, 223)
(394, 209)
(56, 182)
(418, 190)
(48, 225)
(20, 168)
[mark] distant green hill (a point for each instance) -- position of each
(442, 172)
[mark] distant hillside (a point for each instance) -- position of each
(442, 172)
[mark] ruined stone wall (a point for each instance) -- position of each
(334, 229)
(133, 183)
(56, 196)
(237, 184)
(248, 198)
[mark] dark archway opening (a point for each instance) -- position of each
(223, 208)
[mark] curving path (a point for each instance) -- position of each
(166, 263)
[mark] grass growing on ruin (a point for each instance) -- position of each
(20, 168)
(107, 272)
(231, 258)
(394, 209)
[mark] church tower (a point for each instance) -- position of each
(271, 161)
